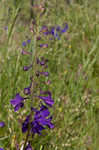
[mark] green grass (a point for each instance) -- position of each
(74, 74)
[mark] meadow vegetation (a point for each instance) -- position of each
(74, 72)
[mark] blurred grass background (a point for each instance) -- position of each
(74, 73)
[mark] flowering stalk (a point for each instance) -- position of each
(34, 124)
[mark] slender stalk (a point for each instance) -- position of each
(12, 26)
(26, 140)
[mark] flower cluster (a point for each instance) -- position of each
(55, 32)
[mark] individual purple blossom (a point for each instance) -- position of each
(24, 43)
(46, 122)
(17, 102)
(42, 62)
(53, 31)
(47, 99)
(2, 124)
(27, 91)
(28, 41)
(44, 29)
(26, 68)
(45, 73)
(43, 112)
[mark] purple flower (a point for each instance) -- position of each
(2, 124)
(46, 122)
(53, 31)
(1, 149)
(36, 127)
(28, 41)
(44, 29)
(24, 43)
(47, 99)
(43, 112)
(42, 62)
(26, 53)
(65, 28)
(27, 90)
(26, 68)
(25, 124)
(17, 102)
(40, 120)
(45, 73)
(28, 147)
(40, 117)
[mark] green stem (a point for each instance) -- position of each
(12, 26)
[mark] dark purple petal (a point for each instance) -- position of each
(2, 124)
(47, 100)
(17, 99)
(53, 31)
(36, 127)
(18, 106)
(43, 112)
(28, 147)
(45, 122)
(25, 124)
(26, 68)
(17, 102)
(45, 73)
(24, 43)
